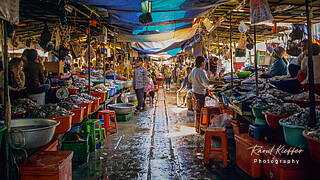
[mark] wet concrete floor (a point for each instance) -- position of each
(159, 144)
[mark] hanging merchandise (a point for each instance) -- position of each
(45, 39)
(293, 48)
(297, 32)
(242, 41)
(146, 7)
(259, 11)
(249, 43)
(242, 27)
(240, 52)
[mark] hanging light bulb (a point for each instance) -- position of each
(146, 7)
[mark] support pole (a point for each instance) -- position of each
(6, 98)
(231, 59)
(255, 59)
(312, 121)
(114, 58)
(89, 59)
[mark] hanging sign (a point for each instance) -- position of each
(9, 10)
(259, 11)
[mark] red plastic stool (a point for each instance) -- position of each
(107, 120)
(216, 153)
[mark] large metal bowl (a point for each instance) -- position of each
(123, 108)
(32, 133)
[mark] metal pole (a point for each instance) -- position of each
(6, 98)
(114, 58)
(89, 58)
(219, 54)
(231, 59)
(255, 59)
(312, 121)
(104, 69)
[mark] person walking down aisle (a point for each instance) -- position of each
(140, 82)
(184, 90)
(199, 81)
(167, 75)
(149, 91)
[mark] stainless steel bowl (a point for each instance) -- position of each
(32, 133)
(123, 108)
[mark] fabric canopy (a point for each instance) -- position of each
(172, 21)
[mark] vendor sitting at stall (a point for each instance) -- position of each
(16, 79)
(199, 81)
(184, 90)
(34, 74)
(303, 75)
(279, 66)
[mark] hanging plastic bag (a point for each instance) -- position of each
(249, 43)
(242, 27)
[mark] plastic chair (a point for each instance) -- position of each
(216, 152)
(93, 127)
(106, 114)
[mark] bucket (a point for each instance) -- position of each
(78, 115)
(39, 98)
(87, 110)
(293, 135)
(101, 95)
(314, 147)
(273, 120)
(65, 123)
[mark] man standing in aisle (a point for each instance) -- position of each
(140, 82)
(199, 81)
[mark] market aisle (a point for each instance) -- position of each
(159, 143)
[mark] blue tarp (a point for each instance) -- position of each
(167, 16)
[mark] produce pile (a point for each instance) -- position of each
(87, 96)
(300, 119)
(75, 99)
(278, 93)
(26, 104)
(285, 109)
(14, 110)
(68, 105)
(313, 132)
(266, 100)
(302, 97)
(99, 88)
(80, 82)
(49, 111)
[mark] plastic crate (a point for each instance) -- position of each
(126, 117)
(80, 148)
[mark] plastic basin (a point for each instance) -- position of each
(65, 124)
(313, 146)
(273, 120)
(101, 95)
(243, 74)
(79, 148)
(257, 112)
(78, 115)
(293, 135)
(87, 110)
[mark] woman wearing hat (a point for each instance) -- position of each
(280, 65)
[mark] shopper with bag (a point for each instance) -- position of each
(184, 90)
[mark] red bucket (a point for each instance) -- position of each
(95, 105)
(273, 120)
(101, 95)
(87, 110)
(314, 147)
(78, 115)
(65, 124)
